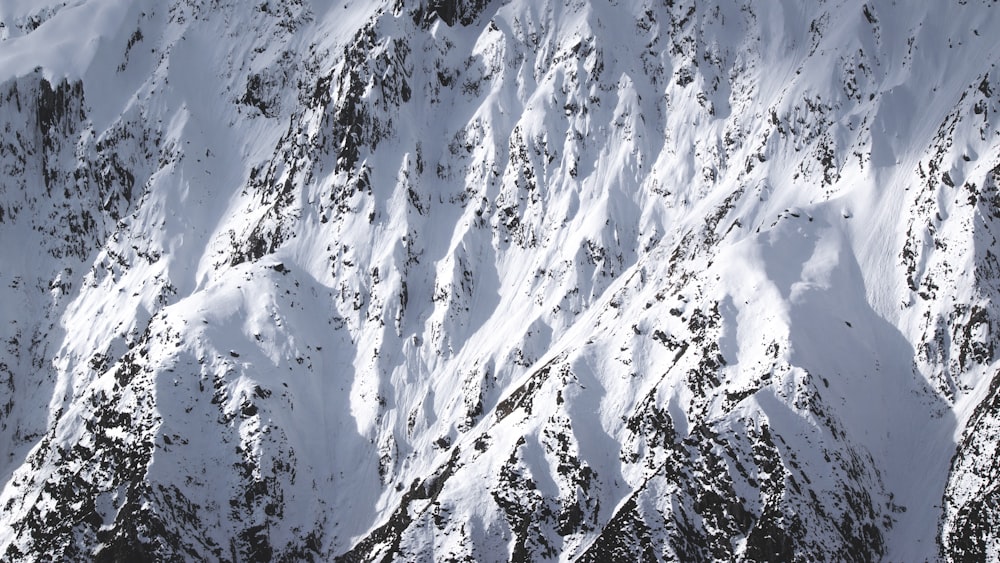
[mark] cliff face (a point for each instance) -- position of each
(483, 280)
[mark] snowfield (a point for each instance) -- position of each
(484, 280)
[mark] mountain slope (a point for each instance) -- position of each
(496, 280)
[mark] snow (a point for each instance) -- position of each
(579, 225)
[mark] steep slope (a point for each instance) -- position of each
(483, 280)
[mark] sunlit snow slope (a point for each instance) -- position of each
(576, 280)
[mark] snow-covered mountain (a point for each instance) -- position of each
(482, 280)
